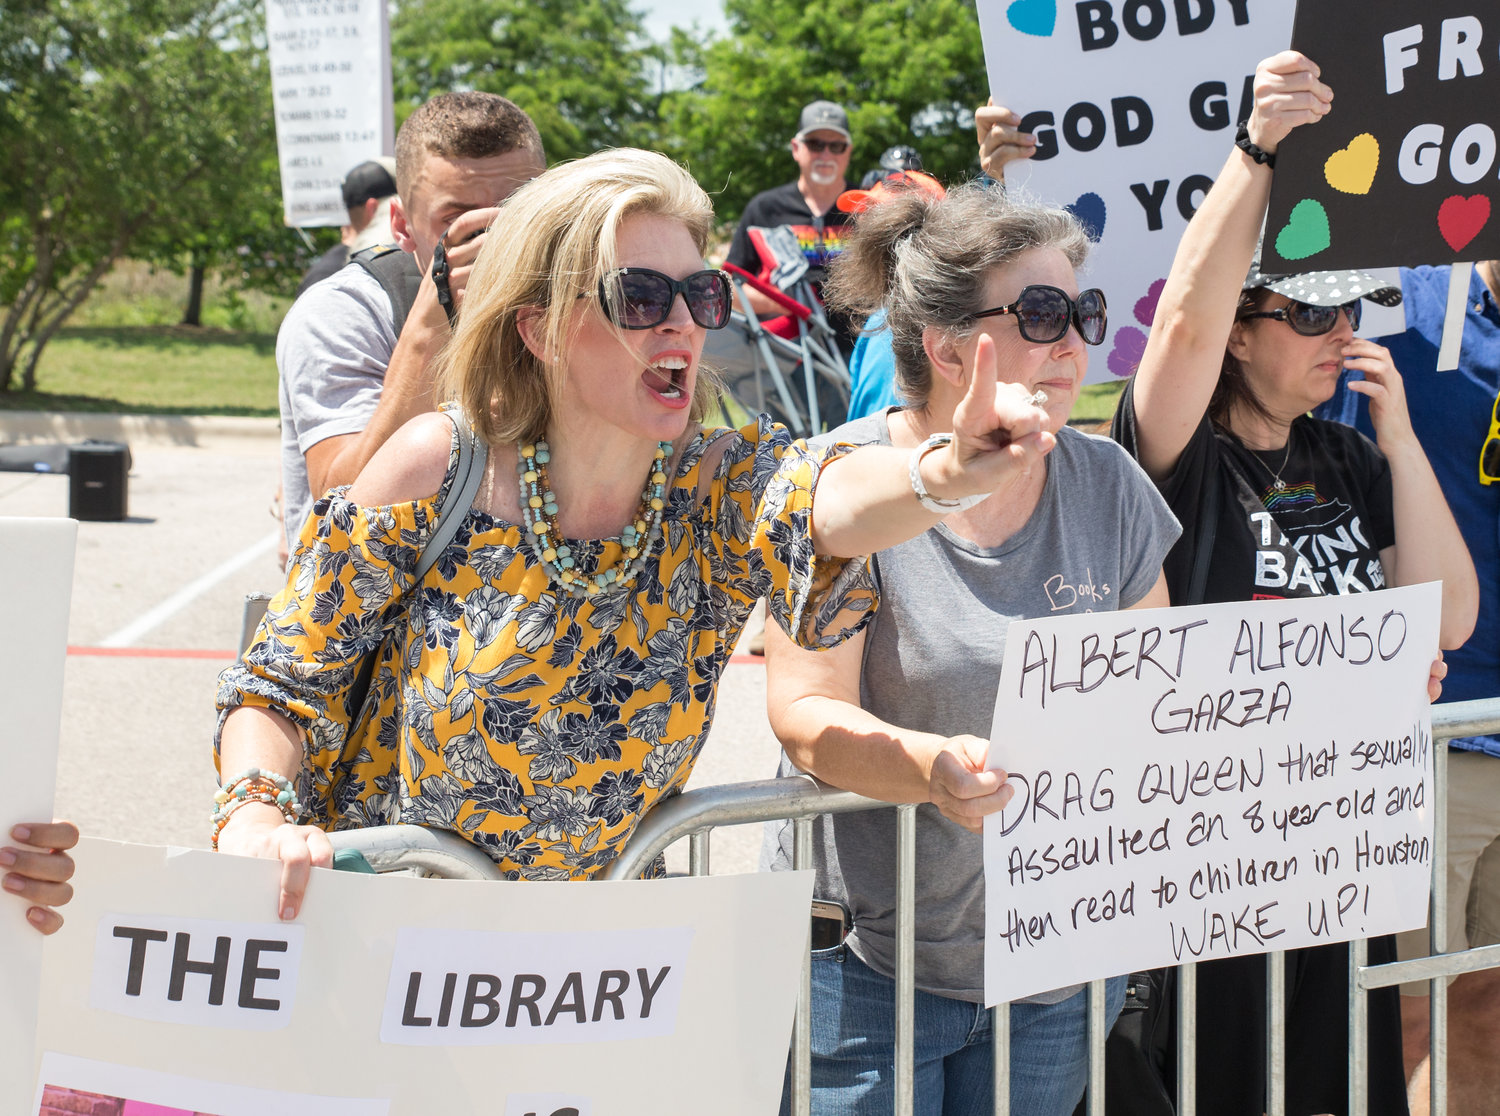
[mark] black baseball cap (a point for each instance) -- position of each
(821, 116)
(375, 179)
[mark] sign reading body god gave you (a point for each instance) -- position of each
(1405, 169)
(1134, 105)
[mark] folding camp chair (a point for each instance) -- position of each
(788, 366)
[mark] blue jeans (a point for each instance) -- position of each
(853, 1048)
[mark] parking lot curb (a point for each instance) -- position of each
(172, 430)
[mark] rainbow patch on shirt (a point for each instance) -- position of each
(819, 251)
(1292, 496)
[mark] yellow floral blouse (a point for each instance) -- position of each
(539, 726)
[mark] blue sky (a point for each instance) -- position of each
(662, 15)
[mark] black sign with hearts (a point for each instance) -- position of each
(1405, 168)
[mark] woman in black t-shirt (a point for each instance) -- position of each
(1217, 416)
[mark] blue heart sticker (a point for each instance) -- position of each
(1033, 17)
(1089, 209)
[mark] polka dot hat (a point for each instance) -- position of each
(1323, 288)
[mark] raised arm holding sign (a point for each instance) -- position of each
(1405, 172)
(1276, 505)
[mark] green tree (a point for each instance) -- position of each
(578, 67)
(908, 71)
(230, 219)
(122, 120)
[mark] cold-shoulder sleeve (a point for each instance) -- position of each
(344, 587)
(760, 504)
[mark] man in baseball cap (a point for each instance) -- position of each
(370, 181)
(368, 190)
(807, 207)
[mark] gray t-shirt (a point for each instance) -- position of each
(932, 658)
(332, 353)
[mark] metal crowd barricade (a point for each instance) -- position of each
(695, 814)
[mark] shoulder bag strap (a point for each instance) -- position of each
(472, 454)
(472, 457)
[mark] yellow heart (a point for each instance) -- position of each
(1352, 170)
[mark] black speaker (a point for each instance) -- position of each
(97, 478)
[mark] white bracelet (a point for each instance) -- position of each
(925, 498)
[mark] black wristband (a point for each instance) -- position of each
(1259, 154)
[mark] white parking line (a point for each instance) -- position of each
(138, 627)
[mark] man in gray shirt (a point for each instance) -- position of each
(348, 380)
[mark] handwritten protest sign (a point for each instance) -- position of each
(37, 554)
(1211, 781)
(1404, 168)
(331, 84)
(1134, 104)
(170, 985)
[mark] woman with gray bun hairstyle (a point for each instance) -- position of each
(975, 287)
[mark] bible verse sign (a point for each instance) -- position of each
(1134, 105)
(1404, 168)
(170, 986)
(331, 84)
(1204, 782)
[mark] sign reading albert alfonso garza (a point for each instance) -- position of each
(1209, 781)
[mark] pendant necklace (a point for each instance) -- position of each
(1277, 484)
(539, 511)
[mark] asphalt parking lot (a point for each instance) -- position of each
(156, 608)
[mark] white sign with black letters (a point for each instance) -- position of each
(36, 554)
(171, 983)
(477, 988)
(1209, 781)
(197, 971)
(331, 85)
(1134, 105)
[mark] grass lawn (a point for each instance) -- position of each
(162, 370)
(175, 370)
(118, 354)
(1096, 403)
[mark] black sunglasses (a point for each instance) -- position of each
(817, 146)
(639, 298)
(1044, 313)
(1312, 321)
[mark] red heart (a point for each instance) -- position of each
(1461, 218)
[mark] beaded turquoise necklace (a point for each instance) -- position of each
(539, 510)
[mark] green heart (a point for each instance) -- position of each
(1306, 232)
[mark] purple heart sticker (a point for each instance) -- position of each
(1130, 346)
(1145, 307)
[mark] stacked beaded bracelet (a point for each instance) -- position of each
(254, 785)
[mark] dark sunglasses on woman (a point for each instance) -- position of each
(1311, 321)
(1044, 314)
(640, 298)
